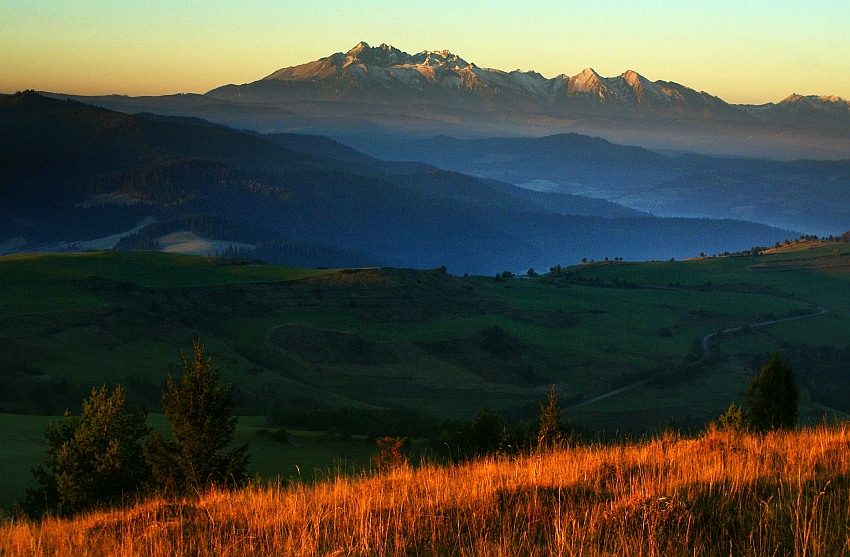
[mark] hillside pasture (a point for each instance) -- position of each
(424, 341)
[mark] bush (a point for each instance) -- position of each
(734, 419)
(389, 453)
(487, 434)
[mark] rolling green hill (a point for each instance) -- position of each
(426, 341)
(304, 347)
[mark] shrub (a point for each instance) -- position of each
(389, 453)
(734, 419)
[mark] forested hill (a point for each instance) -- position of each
(71, 173)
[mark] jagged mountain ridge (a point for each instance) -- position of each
(385, 74)
(825, 111)
(371, 96)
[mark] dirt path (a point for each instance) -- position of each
(707, 338)
(610, 394)
(705, 352)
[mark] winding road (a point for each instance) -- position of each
(705, 352)
(707, 338)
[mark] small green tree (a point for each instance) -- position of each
(734, 419)
(772, 397)
(94, 459)
(199, 411)
(553, 432)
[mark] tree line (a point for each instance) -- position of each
(108, 455)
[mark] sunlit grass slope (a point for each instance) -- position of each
(721, 494)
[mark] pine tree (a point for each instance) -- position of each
(199, 411)
(772, 397)
(94, 459)
(553, 432)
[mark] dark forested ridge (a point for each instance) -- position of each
(72, 172)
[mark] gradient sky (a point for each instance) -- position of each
(752, 51)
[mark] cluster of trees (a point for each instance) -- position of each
(489, 433)
(107, 454)
(771, 401)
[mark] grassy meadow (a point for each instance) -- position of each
(423, 342)
(719, 494)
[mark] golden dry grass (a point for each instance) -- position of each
(721, 494)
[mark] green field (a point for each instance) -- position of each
(294, 340)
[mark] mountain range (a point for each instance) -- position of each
(75, 176)
(387, 75)
(374, 95)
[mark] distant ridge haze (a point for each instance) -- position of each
(297, 203)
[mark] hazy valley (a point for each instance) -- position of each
(88, 173)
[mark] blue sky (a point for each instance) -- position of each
(757, 51)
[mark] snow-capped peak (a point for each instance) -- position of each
(439, 58)
(588, 74)
(588, 81)
(821, 103)
(384, 55)
(633, 78)
(358, 48)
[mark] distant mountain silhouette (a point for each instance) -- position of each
(372, 96)
(72, 172)
(813, 196)
(385, 74)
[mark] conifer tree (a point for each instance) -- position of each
(772, 397)
(553, 432)
(94, 459)
(199, 411)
